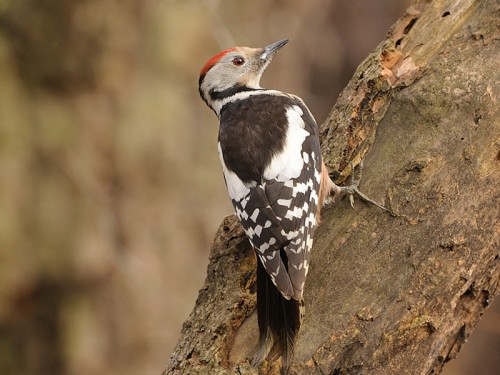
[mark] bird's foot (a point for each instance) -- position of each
(353, 189)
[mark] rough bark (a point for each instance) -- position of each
(386, 293)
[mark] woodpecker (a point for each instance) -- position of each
(269, 149)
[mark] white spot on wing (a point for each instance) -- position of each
(272, 255)
(264, 247)
(284, 202)
(300, 187)
(274, 274)
(255, 215)
(297, 212)
(244, 202)
(290, 235)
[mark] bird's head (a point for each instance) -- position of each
(234, 70)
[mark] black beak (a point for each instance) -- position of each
(271, 49)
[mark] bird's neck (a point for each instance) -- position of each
(218, 99)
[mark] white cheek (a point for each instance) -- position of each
(289, 162)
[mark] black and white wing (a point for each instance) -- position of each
(278, 209)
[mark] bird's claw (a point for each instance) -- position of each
(353, 189)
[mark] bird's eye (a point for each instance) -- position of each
(238, 61)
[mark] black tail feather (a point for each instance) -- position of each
(279, 321)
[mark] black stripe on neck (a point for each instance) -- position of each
(220, 95)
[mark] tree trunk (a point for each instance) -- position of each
(386, 293)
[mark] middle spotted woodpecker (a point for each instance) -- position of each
(270, 153)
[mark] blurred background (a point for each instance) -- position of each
(110, 184)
